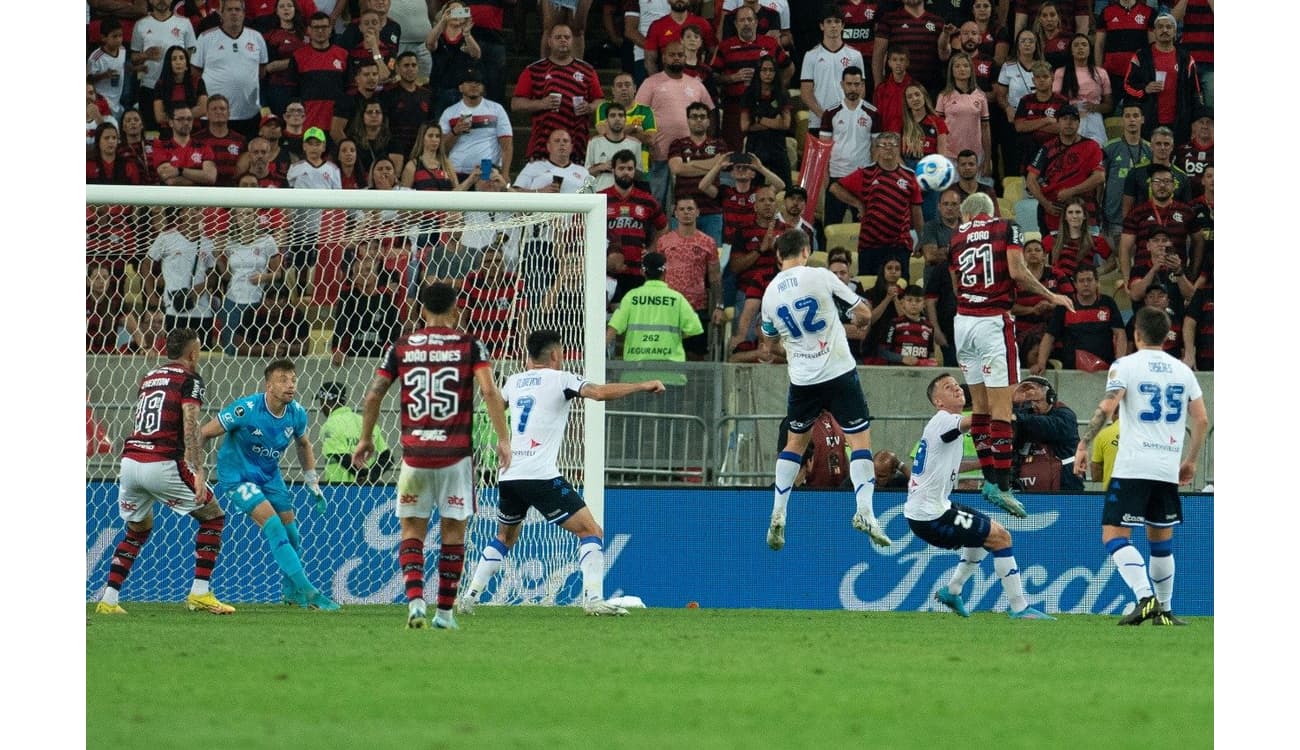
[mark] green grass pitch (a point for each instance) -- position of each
(276, 677)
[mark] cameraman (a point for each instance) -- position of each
(1047, 433)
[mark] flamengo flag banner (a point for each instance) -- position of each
(816, 161)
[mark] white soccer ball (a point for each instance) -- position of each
(935, 172)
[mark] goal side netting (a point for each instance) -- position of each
(329, 278)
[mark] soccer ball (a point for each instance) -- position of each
(935, 172)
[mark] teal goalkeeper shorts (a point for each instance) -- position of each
(247, 495)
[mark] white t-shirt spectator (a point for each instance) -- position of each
(539, 173)
(175, 254)
(325, 177)
(149, 32)
(243, 261)
(650, 11)
(109, 88)
(824, 68)
(489, 122)
(230, 68)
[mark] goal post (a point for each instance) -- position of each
(553, 243)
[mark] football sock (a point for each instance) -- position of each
(979, 433)
(410, 558)
(787, 468)
(494, 555)
(862, 472)
(451, 561)
(286, 557)
(1001, 438)
(971, 557)
(1162, 573)
(1004, 562)
(1131, 566)
(123, 558)
(295, 536)
(591, 560)
(207, 545)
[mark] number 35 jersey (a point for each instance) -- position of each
(1153, 414)
(435, 369)
(539, 403)
(977, 254)
(799, 306)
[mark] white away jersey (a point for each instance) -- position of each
(799, 307)
(1153, 414)
(934, 470)
(539, 411)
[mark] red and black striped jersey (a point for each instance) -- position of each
(1055, 282)
(1177, 219)
(322, 77)
(1032, 108)
(748, 238)
(543, 77)
(225, 153)
(1198, 32)
(737, 206)
(628, 220)
(977, 254)
(123, 171)
(1059, 166)
(688, 150)
(1069, 256)
(1126, 33)
(1194, 158)
(158, 422)
(492, 304)
(435, 369)
(860, 26)
(352, 40)
(919, 35)
(888, 195)
(430, 179)
(735, 54)
(910, 338)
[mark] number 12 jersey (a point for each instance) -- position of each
(799, 307)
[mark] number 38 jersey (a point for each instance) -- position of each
(1153, 414)
(435, 369)
(799, 306)
(977, 254)
(158, 424)
(539, 411)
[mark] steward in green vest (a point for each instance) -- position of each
(339, 435)
(653, 319)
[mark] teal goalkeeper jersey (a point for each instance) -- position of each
(256, 439)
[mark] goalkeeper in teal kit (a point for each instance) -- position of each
(258, 430)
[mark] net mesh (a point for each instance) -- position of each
(329, 287)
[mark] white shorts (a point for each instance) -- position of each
(986, 350)
(450, 488)
(141, 484)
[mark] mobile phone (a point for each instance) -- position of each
(459, 12)
(485, 169)
(557, 180)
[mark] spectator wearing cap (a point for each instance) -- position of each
(1091, 337)
(889, 198)
(1163, 77)
(232, 58)
(738, 199)
(319, 72)
(1182, 249)
(477, 128)
(691, 258)
(1046, 436)
(454, 51)
(270, 129)
(653, 319)
(1067, 166)
(225, 144)
(315, 171)
(672, 96)
(1198, 153)
(1169, 300)
(409, 104)
(339, 434)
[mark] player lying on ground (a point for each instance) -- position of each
(939, 522)
(539, 399)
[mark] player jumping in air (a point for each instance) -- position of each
(438, 366)
(258, 429)
(942, 523)
(539, 400)
(162, 462)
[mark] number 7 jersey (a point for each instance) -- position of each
(539, 402)
(1153, 414)
(434, 368)
(799, 307)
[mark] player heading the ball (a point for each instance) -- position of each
(540, 398)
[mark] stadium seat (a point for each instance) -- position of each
(1013, 188)
(866, 281)
(792, 153)
(800, 129)
(1007, 208)
(817, 259)
(843, 235)
(133, 287)
(1027, 214)
(1114, 126)
(916, 271)
(319, 341)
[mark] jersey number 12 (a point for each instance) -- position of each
(811, 324)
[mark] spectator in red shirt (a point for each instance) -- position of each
(1123, 28)
(671, 28)
(180, 160)
(105, 164)
(1065, 167)
(893, 197)
(560, 92)
(890, 94)
(225, 144)
(1164, 79)
(754, 262)
(132, 145)
(1053, 35)
(319, 72)
(285, 31)
(178, 85)
(1030, 310)
(736, 63)
(634, 218)
(908, 339)
(351, 174)
(1162, 213)
(1035, 116)
(1076, 241)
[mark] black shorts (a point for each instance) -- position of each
(1142, 502)
(553, 498)
(961, 526)
(841, 396)
(699, 344)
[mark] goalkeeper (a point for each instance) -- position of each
(259, 428)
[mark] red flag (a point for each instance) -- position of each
(816, 161)
(96, 436)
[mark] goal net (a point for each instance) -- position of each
(329, 278)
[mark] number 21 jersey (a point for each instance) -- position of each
(799, 307)
(978, 256)
(435, 369)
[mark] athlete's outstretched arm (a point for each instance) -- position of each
(496, 407)
(615, 391)
(212, 429)
(369, 418)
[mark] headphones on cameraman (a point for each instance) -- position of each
(1047, 388)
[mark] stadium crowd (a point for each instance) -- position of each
(1089, 122)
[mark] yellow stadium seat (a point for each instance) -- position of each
(1114, 126)
(319, 341)
(1007, 208)
(800, 128)
(792, 153)
(866, 281)
(843, 235)
(1013, 188)
(817, 259)
(916, 271)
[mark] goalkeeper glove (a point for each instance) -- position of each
(313, 487)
